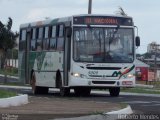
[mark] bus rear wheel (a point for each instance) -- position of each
(33, 82)
(37, 89)
(114, 92)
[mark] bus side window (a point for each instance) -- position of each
(39, 40)
(22, 43)
(53, 38)
(46, 38)
(33, 40)
(60, 40)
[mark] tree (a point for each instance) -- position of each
(7, 40)
(121, 12)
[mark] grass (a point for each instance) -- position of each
(6, 94)
(154, 90)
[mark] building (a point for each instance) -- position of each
(142, 70)
(153, 47)
(151, 58)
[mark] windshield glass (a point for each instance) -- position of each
(105, 45)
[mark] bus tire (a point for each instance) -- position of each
(64, 91)
(37, 89)
(114, 92)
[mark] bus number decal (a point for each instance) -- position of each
(93, 73)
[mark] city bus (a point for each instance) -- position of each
(80, 52)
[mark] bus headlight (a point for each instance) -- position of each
(128, 76)
(78, 75)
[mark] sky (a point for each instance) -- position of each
(145, 13)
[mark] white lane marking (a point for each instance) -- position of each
(137, 102)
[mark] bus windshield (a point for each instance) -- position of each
(103, 45)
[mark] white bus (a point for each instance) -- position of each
(80, 52)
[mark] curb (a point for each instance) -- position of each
(13, 101)
(106, 116)
(126, 110)
(1, 75)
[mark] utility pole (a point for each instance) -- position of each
(90, 7)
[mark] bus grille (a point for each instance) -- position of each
(103, 82)
(104, 68)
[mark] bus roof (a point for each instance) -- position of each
(66, 19)
(46, 22)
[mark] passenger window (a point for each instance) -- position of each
(33, 45)
(33, 40)
(61, 30)
(39, 44)
(40, 34)
(22, 42)
(53, 32)
(23, 35)
(60, 44)
(46, 44)
(46, 32)
(52, 43)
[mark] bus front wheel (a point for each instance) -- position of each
(64, 91)
(114, 92)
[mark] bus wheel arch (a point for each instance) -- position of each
(37, 89)
(64, 91)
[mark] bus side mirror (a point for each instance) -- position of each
(137, 41)
(69, 32)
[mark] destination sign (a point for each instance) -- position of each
(102, 20)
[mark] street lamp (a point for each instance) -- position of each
(90, 7)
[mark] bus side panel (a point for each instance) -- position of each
(45, 65)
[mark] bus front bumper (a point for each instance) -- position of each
(76, 81)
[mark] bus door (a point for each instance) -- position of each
(67, 55)
(27, 56)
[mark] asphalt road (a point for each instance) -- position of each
(139, 104)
